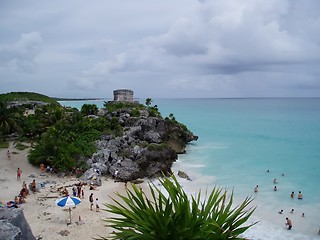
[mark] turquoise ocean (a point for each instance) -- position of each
(239, 140)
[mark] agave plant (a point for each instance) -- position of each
(170, 213)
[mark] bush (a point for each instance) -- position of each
(21, 146)
(4, 144)
(156, 147)
(113, 106)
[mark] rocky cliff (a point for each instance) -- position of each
(147, 147)
(13, 225)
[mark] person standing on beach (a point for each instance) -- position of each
(79, 191)
(33, 186)
(8, 154)
(74, 191)
(41, 168)
(288, 223)
(116, 175)
(97, 205)
(19, 174)
(24, 186)
(91, 201)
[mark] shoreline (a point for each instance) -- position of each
(271, 224)
(48, 220)
(45, 218)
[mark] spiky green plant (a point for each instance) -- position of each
(170, 213)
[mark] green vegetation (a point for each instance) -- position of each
(148, 101)
(135, 107)
(114, 106)
(4, 144)
(172, 118)
(174, 215)
(61, 137)
(9, 119)
(69, 139)
(27, 96)
(156, 147)
(89, 109)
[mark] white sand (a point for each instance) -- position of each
(44, 217)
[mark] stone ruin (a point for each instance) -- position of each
(123, 95)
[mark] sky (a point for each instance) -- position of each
(161, 49)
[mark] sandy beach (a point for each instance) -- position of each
(45, 218)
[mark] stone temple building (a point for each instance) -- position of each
(123, 95)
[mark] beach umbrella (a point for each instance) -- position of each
(68, 201)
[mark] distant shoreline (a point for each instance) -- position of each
(78, 99)
(84, 99)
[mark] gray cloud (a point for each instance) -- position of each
(223, 48)
(21, 54)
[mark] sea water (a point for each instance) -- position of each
(239, 140)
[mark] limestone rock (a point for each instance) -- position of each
(147, 147)
(13, 225)
(183, 175)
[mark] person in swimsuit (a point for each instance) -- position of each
(289, 223)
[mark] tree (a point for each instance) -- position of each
(171, 117)
(173, 215)
(148, 101)
(8, 119)
(89, 109)
(34, 125)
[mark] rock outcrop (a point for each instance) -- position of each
(147, 147)
(13, 225)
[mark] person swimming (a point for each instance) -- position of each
(300, 195)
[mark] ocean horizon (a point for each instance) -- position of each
(240, 139)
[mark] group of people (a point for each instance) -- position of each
(47, 169)
(19, 199)
(300, 196)
(78, 191)
(288, 222)
(96, 203)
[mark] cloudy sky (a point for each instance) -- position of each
(161, 49)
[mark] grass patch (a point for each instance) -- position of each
(4, 144)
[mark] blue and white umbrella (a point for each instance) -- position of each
(68, 201)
